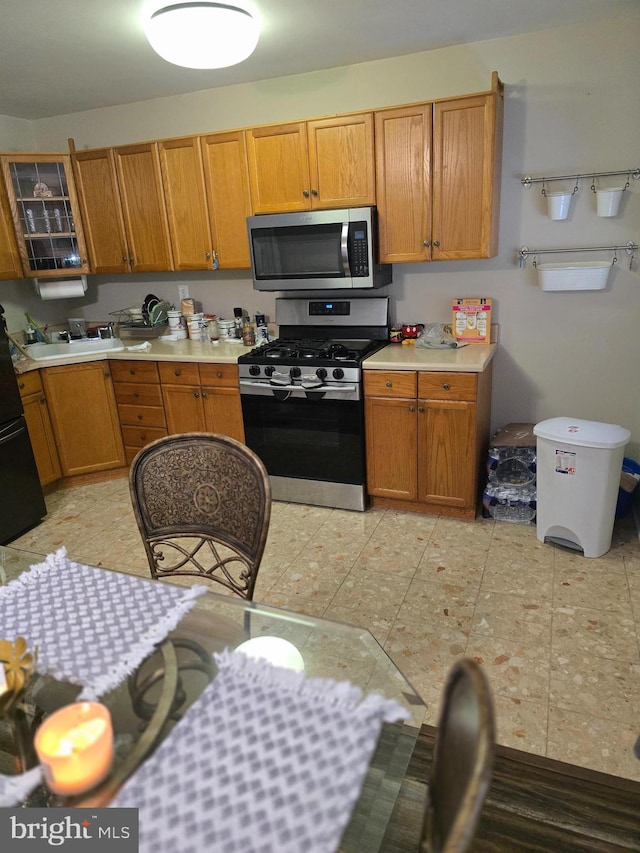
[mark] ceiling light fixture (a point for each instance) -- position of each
(202, 34)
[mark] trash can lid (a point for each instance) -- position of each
(583, 433)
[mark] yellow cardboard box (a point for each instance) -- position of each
(471, 320)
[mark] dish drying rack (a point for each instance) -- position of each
(130, 323)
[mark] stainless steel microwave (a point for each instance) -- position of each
(316, 250)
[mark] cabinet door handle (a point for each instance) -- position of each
(21, 385)
(436, 242)
(177, 372)
(305, 193)
(204, 395)
(426, 243)
(412, 408)
(389, 384)
(219, 374)
(136, 394)
(207, 255)
(314, 192)
(124, 259)
(421, 409)
(132, 371)
(196, 394)
(139, 417)
(446, 386)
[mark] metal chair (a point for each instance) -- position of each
(202, 502)
(462, 763)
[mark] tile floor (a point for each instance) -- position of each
(558, 634)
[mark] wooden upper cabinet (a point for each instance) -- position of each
(467, 135)
(184, 193)
(279, 167)
(99, 198)
(341, 161)
(226, 173)
(143, 207)
(403, 180)
(10, 266)
(438, 172)
(46, 217)
(312, 165)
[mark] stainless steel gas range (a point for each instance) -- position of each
(302, 400)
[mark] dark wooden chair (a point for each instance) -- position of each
(463, 761)
(202, 502)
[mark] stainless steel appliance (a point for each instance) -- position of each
(302, 400)
(316, 250)
(21, 501)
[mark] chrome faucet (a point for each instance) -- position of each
(106, 331)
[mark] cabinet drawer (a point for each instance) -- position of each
(389, 383)
(140, 436)
(152, 416)
(138, 394)
(447, 386)
(179, 373)
(134, 371)
(29, 383)
(224, 375)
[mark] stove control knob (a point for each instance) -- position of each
(254, 370)
(338, 373)
(321, 373)
(295, 372)
(268, 371)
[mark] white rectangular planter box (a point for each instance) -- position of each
(583, 275)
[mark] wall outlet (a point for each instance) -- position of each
(183, 291)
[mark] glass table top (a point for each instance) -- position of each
(329, 650)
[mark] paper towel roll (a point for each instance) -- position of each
(61, 288)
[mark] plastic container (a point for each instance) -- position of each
(558, 204)
(626, 495)
(608, 200)
(583, 275)
(578, 477)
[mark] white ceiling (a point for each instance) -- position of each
(63, 56)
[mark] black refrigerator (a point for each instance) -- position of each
(21, 500)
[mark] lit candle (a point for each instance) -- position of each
(75, 747)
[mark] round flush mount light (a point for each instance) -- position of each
(202, 34)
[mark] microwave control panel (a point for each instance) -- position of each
(358, 249)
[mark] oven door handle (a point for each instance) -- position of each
(248, 386)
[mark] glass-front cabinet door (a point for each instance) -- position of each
(45, 213)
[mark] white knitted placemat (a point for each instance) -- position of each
(265, 761)
(91, 627)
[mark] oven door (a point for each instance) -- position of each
(311, 435)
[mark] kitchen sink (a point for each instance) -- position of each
(62, 349)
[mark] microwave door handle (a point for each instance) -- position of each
(344, 248)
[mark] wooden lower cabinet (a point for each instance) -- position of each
(140, 407)
(36, 413)
(427, 435)
(84, 417)
(202, 398)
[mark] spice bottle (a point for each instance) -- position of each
(237, 313)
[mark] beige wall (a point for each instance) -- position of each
(570, 107)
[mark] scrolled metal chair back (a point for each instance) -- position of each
(202, 502)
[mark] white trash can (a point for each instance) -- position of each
(578, 476)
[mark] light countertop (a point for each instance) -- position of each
(473, 358)
(160, 350)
